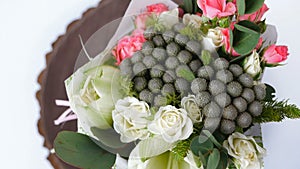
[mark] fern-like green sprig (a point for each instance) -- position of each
(127, 87)
(276, 111)
(173, 99)
(192, 32)
(153, 21)
(181, 149)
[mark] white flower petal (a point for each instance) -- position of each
(246, 152)
(252, 64)
(172, 124)
(130, 119)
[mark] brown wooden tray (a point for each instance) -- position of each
(60, 65)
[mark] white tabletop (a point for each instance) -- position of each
(27, 29)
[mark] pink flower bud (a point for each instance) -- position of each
(275, 54)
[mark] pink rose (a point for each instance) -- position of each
(226, 41)
(128, 45)
(275, 54)
(157, 8)
(216, 8)
(256, 16)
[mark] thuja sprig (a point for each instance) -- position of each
(276, 111)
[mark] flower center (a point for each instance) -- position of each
(171, 119)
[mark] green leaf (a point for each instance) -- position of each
(241, 7)
(201, 144)
(186, 74)
(253, 5)
(109, 140)
(247, 26)
(212, 138)
(231, 166)
(80, 150)
(205, 57)
(270, 92)
(245, 37)
(231, 37)
(213, 159)
(188, 6)
(237, 59)
(223, 160)
(111, 61)
(203, 159)
(276, 111)
(196, 8)
(263, 26)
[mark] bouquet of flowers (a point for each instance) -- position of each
(182, 90)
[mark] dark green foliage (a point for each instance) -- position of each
(276, 111)
(79, 150)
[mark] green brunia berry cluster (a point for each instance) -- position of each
(235, 100)
(164, 67)
(171, 65)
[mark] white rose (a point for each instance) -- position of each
(130, 119)
(193, 20)
(252, 64)
(193, 110)
(216, 37)
(246, 152)
(172, 124)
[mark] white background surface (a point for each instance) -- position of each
(27, 29)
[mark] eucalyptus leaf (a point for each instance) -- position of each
(253, 5)
(241, 7)
(109, 140)
(213, 159)
(223, 160)
(245, 37)
(79, 150)
(202, 158)
(212, 138)
(201, 144)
